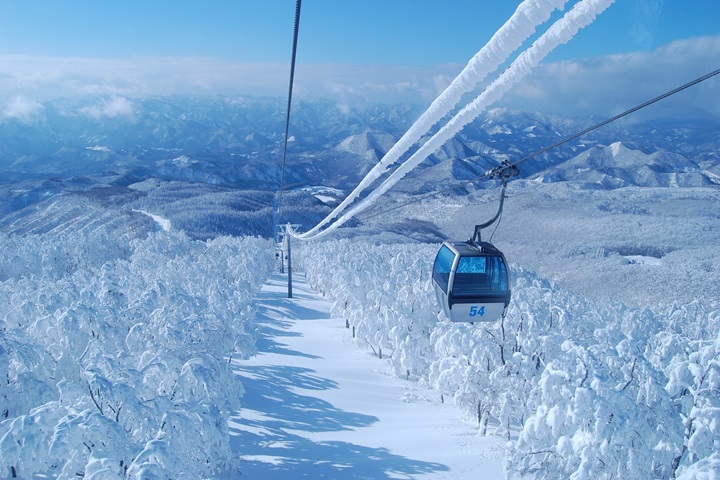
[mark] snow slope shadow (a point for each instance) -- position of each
(275, 319)
(286, 429)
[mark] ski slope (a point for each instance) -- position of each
(317, 407)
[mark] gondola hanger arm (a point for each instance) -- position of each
(504, 172)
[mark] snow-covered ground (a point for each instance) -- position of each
(110, 340)
(163, 222)
(315, 406)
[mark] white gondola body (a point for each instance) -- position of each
(471, 282)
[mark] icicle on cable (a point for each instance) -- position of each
(582, 14)
(506, 40)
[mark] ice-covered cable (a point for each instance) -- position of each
(581, 15)
(506, 40)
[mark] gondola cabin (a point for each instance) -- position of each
(471, 281)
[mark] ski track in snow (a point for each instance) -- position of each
(316, 406)
(163, 222)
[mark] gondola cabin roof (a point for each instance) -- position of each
(470, 249)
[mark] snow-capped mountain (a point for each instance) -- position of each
(222, 156)
(368, 146)
(617, 166)
(184, 138)
(238, 141)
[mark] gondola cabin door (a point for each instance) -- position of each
(471, 281)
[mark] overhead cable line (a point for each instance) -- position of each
(580, 15)
(289, 103)
(509, 37)
(282, 172)
(621, 115)
(492, 172)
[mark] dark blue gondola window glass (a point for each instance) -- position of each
(480, 276)
(442, 267)
(472, 265)
(500, 277)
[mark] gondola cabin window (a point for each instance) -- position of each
(443, 267)
(479, 275)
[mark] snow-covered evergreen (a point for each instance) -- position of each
(581, 389)
(117, 352)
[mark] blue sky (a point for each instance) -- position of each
(403, 50)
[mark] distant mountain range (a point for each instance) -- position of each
(237, 141)
(76, 149)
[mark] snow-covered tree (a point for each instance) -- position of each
(115, 353)
(694, 385)
(583, 389)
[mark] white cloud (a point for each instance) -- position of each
(601, 86)
(110, 108)
(21, 108)
(44, 78)
(612, 84)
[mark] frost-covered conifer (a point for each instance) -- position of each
(583, 389)
(115, 353)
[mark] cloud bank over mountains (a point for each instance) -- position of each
(601, 85)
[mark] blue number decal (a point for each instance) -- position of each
(474, 311)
